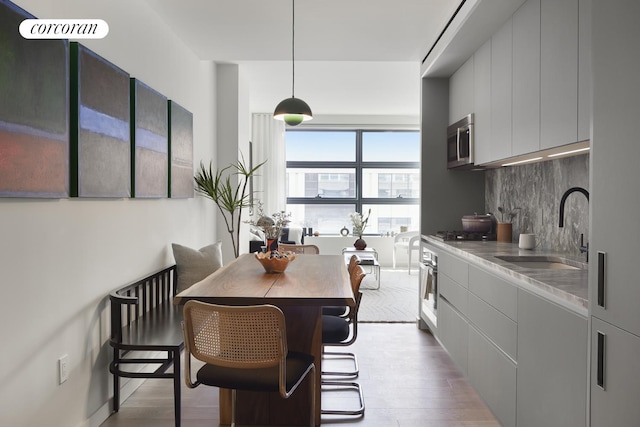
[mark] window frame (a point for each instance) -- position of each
(358, 165)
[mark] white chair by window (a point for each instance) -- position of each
(408, 241)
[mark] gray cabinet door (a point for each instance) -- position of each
(552, 364)
(501, 75)
(453, 331)
(558, 72)
(526, 78)
(493, 375)
(614, 402)
(482, 91)
(615, 199)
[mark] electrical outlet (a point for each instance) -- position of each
(63, 368)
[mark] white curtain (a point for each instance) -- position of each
(268, 144)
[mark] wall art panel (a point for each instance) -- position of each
(149, 142)
(181, 149)
(100, 126)
(34, 111)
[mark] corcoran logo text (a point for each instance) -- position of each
(64, 28)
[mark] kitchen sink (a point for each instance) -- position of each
(542, 262)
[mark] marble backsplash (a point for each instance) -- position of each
(537, 190)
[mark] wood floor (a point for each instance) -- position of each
(408, 380)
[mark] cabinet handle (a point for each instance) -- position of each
(601, 355)
(601, 272)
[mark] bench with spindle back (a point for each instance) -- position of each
(144, 319)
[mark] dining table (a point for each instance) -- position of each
(309, 283)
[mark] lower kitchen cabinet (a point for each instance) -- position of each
(615, 377)
(552, 365)
(493, 375)
(453, 331)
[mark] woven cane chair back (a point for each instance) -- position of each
(299, 249)
(235, 337)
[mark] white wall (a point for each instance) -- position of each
(61, 257)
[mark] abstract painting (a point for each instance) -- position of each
(181, 149)
(149, 142)
(34, 111)
(100, 126)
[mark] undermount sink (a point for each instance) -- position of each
(542, 262)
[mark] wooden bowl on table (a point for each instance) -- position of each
(275, 262)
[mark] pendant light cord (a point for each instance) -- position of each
(293, 47)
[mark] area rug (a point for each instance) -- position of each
(395, 302)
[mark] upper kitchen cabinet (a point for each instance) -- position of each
(584, 70)
(501, 91)
(461, 92)
(526, 79)
(482, 103)
(558, 72)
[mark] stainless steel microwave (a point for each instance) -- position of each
(460, 143)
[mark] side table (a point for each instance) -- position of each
(368, 258)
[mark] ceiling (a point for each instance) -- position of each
(356, 57)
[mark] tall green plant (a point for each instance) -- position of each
(231, 199)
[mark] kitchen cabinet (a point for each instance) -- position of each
(558, 72)
(614, 197)
(453, 328)
(461, 92)
(526, 78)
(488, 298)
(453, 332)
(479, 337)
(493, 376)
(483, 141)
(501, 74)
(552, 364)
(482, 102)
(614, 402)
(584, 70)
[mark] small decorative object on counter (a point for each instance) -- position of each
(274, 261)
(360, 244)
(344, 231)
(505, 232)
(505, 228)
(316, 233)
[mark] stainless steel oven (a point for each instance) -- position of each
(460, 143)
(428, 289)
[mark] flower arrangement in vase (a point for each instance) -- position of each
(271, 226)
(359, 224)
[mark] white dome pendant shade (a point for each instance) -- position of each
(293, 111)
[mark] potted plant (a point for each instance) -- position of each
(505, 226)
(359, 224)
(229, 198)
(272, 226)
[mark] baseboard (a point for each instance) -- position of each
(128, 387)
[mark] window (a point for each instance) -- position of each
(331, 174)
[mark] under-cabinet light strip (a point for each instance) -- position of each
(569, 152)
(522, 161)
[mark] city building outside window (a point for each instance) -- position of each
(332, 173)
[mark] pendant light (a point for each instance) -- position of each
(293, 110)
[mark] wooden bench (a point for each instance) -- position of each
(144, 319)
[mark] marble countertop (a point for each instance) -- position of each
(568, 288)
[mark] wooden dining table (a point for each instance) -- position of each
(309, 283)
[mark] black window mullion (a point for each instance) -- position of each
(359, 171)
